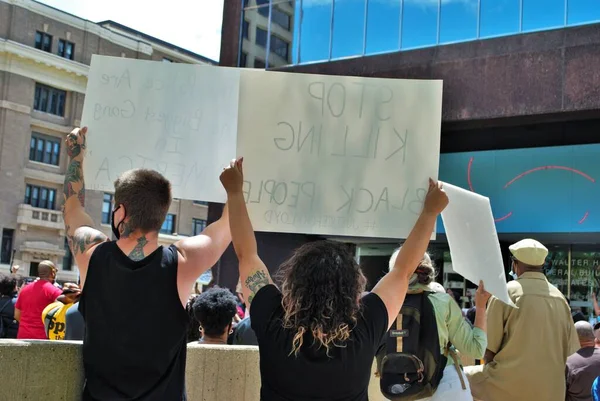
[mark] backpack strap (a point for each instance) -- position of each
(399, 341)
(454, 357)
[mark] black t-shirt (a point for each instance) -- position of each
(312, 375)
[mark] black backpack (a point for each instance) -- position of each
(3, 324)
(410, 363)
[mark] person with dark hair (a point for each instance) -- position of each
(193, 332)
(122, 358)
(9, 327)
(32, 300)
(214, 310)
(318, 335)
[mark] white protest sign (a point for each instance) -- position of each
(337, 155)
(178, 119)
(473, 240)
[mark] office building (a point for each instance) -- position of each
(44, 61)
(521, 111)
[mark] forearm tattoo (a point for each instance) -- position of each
(255, 282)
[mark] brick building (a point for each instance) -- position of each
(44, 61)
(521, 110)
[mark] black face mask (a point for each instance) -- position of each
(115, 229)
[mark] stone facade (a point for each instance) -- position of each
(31, 234)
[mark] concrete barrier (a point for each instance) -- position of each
(52, 370)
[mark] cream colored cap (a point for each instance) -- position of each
(529, 251)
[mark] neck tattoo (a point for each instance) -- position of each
(137, 253)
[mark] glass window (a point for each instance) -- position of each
(499, 17)
(583, 11)
(107, 208)
(43, 198)
(40, 197)
(557, 267)
(168, 226)
(258, 63)
(35, 195)
(348, 28)
(280, 18)
(44, 150)
(198, 225)
(543, 14)
(458, 21)
(243, 59)
(419, 24)
(261, 37)
(65, 49)
(197, 202)
(315, 30)
(7, 245)
(68, 258)
(28, 194)
(263, 7)
(49, 100)
(280, 47)
(51, 198)
(43, 41)
(245, 27)
(383, 26)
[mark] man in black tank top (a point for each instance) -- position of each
(134, 291)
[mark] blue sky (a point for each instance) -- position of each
(192, 24)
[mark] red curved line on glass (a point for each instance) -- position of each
(585, 216)
(533, 170)
(503, 217)
(469, 174)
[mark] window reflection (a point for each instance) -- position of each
(499, 17)
(315, 30)
(348, 28)
(583, 11)
(543, 14)
(419, 23)
(458, 20)
(383, 26)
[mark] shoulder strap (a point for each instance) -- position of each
(454, 356)
(399, 341)
(5, 305)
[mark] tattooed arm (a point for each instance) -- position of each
(253, 272)
(82, 238)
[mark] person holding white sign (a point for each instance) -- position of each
(318, 335)
(528, 346)
(134, 290)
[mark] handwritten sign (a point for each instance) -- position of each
(473, 240)
(337, 155)
(178, 119)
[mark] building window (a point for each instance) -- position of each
(167, 60)
(44, 150)
(107, 208)
(33, 269)
(258, 63)
(245, 28)
(66, 49)
(198, 225)
(168, 226)
(243, 60)
(41, 197)
(49, 100)
(68, 258)
(261, 37)
(43, 41)
(7, 245)
(280, 46)
(202, 203)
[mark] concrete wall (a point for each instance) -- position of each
(44, 370)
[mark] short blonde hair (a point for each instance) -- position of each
(424, 263)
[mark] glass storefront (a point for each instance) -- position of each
(281, 32)
(573, 269)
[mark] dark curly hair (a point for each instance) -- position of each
(321, 288)
(215, 309)
(8, 285)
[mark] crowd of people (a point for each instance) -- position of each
(317, 323)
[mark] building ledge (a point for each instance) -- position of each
(28, 215)
(44, 176)
(42, 57)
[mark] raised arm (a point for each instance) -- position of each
(393, 286)
(253, 272)
(81, 236)
(199, 253)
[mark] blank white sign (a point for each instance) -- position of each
(178, 119)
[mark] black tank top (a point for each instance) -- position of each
(135, 327)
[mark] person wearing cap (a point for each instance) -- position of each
(528, 346)
(583, 366)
